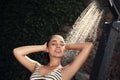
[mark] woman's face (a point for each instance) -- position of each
(56, 46)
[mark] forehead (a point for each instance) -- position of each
(57, 38)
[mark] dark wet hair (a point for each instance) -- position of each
(48, 40)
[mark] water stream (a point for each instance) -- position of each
(85, 28)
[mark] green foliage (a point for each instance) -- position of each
(29, 22)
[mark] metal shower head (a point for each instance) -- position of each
(115, 5)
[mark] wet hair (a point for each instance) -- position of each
(49, 38)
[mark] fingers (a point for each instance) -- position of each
(46, 47)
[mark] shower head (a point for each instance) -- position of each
(115, 8)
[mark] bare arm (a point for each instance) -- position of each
(73, 67)
(21, 54)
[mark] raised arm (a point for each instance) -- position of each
(73, 67)
(21, 54)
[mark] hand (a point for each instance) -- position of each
(45, 47)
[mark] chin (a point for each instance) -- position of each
(59, 55)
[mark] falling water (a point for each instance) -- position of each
(84, 28)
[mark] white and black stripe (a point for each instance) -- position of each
(55, 75)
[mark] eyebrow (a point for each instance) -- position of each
(56, 41)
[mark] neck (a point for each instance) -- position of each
(55, 62)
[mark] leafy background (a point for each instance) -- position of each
(30, 22)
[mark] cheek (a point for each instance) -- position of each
(64, 49)
(50, 49)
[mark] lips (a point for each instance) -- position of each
(58, 50)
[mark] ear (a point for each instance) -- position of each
(47, 50)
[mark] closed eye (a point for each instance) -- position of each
(53, 43)
(62, 44)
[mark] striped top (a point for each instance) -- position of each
(54, 75)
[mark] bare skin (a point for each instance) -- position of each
(56, 49)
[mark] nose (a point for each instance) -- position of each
(58, 45)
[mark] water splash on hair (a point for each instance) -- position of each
(85, 28)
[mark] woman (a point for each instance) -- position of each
(53, 70)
